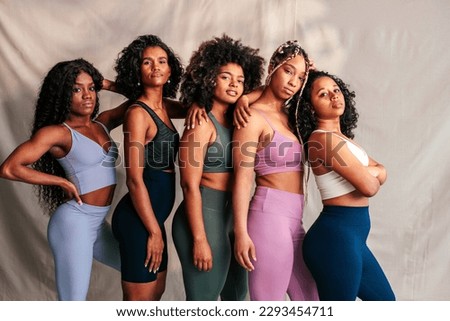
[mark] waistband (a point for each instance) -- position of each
(353, 214)
(89, 209)
(214, 199)
(281, 202)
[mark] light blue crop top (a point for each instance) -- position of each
(87, 165)
(281, 155)
(332, 184)
(218, 157)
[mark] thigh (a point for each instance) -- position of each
(274, 246)
(374, 283)
(236, 284)
(151, 291)
(132, 236)
(106, 247)
(202, 285)
(71, 239)
(333, 256)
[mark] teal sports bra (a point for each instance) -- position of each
(218, 157)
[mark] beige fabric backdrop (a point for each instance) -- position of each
(393, 53)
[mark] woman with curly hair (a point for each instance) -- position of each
(268, 237)
(73, 164)
(219, 72)
(335, 248)
(148, 72)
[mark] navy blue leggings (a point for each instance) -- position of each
(131, 232)
(337, 255)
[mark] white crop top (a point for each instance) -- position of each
(332, 184)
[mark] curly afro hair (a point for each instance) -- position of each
(53, 107)
(307, 121)
(200, 78)
(128, 67)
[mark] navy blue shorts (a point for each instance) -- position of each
(131, 233)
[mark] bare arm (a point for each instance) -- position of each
(135, 130)
(191, 158)
(244, 152)
(48, 139)
(333, 152)
(242, 111)
(113, 118)
(377, 170)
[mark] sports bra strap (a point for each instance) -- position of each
(103, 126)
(155, 117)
(267, 119)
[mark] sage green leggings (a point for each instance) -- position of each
(227, 279)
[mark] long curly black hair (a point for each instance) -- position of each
(128, 68)
(52, 108)
(199, 80)
(307, 121)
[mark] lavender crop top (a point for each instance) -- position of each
(281, 155)
(87, 165)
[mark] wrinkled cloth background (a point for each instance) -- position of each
(394, 54)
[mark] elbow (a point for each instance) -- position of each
(369, 190)
(6, 172)
(188, 187)
(132, 184)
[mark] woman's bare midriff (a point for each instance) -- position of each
(289, 181)
(354, 198)
(217, 181)
(99, 197)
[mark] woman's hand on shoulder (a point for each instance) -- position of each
(196, 114)
(242, 112)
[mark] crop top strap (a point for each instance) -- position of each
(267, 119)
(152, 114)
(221, 130)
(331, 132)
(104, 127)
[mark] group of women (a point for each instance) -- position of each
(229, 242)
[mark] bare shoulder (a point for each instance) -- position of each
(53, 133)
(136, 114)
(256, 122)
(202, 132)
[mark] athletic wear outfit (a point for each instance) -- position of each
(127, 226)
(227, 278)
(79, 233)
(335, 248)
(278, 234)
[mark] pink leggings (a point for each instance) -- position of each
(275, 226)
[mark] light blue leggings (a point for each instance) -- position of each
(77, 234)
